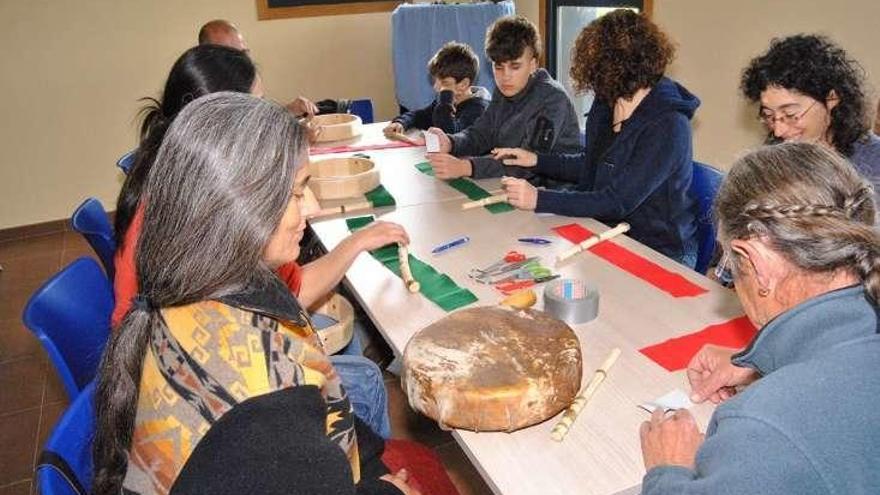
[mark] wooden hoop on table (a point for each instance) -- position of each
(348, 177)
(337, 126)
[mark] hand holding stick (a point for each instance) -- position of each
(592, 241)
(403, 256)
(491, 200)
(561, 429)
(399, 136)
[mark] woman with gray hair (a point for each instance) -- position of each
(216, 381)
(799, 410)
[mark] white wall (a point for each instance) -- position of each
(73, 71)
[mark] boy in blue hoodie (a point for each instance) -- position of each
(458, 104)
(638, 162)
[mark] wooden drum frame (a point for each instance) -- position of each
(348, 177)
(492, 368)
(335, 337)
(337, 126)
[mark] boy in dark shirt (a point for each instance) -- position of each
(458, 104)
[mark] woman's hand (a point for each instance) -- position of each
(447, 166)
(400, 479)
(670, 441)
(302, 107)
(393, 128)
(515, 156)
(520, 193)
(712, 376)
(379, 234)
(445, 142)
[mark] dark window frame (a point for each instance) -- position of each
(549, 13)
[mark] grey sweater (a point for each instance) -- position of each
(811, 424)
(539, 118)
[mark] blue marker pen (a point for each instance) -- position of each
(442, 248)
(535, 240)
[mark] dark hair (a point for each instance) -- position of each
(810, 205)
(222, 180)
(508, 37)
(199, 71)
(813, 65)
(619, 54)
(455, 60)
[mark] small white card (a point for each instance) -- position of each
(432, 142)
(677, 399)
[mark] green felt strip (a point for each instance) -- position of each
(437, 287)
(380, 197)
(425, 168)
(468, 188)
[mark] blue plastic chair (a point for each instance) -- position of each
(65, 465)
(126, 161)
(363, 109)
(70, 314)
(704, 186)
(91, 220)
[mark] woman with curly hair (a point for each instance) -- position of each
(809, 89)
(637, 164)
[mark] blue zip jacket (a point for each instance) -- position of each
(811, 424)
(642, 178)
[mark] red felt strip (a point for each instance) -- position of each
(665, 280)
(675, 354)
(317, 150)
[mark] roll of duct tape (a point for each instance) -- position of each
(572, 301)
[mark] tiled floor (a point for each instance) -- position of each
(32, 398)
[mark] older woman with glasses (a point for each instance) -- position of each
(809, 89)
(798, 409)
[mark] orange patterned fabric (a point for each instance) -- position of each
(209, 357)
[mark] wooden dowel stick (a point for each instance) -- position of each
(491, 200)
(396, 136)
(592, 241)
(561, 429)
(403, 256)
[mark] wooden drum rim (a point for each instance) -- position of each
(343, 186)
(337, 126)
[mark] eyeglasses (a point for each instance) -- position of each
(770, 119)
(724, 270)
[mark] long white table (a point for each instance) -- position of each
(601, 454)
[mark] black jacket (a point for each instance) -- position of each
(441, 112)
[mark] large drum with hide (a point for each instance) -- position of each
(492, 369)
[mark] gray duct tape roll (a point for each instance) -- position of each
(572, 301)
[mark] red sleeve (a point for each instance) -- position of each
(125, 284)
(291, 274)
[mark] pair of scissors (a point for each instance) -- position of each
(510, 257)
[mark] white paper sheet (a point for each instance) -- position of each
(432, 142)
(677, 399)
